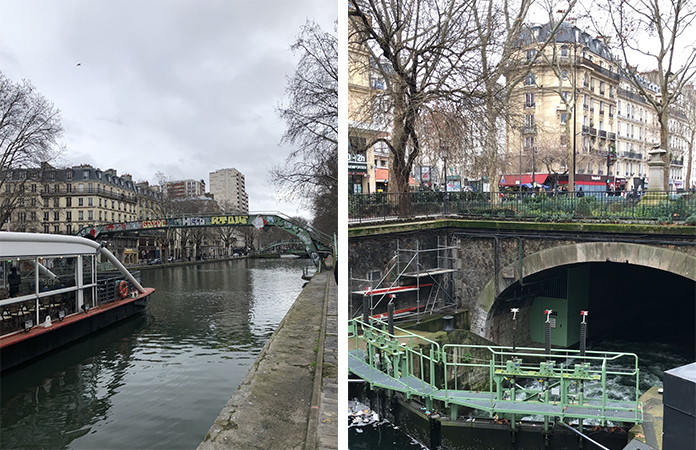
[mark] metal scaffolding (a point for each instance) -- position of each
(411, 270)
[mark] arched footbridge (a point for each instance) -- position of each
(316, 243)
(293, 246)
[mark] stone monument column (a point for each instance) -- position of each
(656, 172)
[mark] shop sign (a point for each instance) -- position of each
(357, 164)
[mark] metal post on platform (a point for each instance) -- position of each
(366, 313)
(390, 319)
(583, 333)
(583, 347)
(547, 331)
(514, 312)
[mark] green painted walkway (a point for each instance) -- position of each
(524, 382)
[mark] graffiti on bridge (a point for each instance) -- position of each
(259, 221)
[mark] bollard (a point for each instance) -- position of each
(448, 324)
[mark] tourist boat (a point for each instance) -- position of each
(52, 293)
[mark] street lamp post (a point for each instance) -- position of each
(571, 172)
(534, 167)
(519, 179)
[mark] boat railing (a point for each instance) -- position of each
(59, 300)
(110, 289)
(46, 275)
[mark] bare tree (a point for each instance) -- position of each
(446, 140)
(421, 49)
(437, 52)
(29, 132)
(659, 31)
(501, 32)
(310, 172)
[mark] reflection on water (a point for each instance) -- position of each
(157, 380)
(378, 436)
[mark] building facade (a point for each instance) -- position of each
(229, 189)
(368, 167)
(577, 113)
(64, 201)
(564, 110)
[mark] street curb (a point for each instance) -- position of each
(313, 419)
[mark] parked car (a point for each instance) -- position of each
(155, 261)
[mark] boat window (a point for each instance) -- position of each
(62, 271)
(3, 279)
(20, 277)
(87, 264)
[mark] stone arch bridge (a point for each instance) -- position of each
(316, 243)
(533, 266)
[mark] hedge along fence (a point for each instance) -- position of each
(659, 207)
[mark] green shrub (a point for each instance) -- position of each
(583, 208)
(616, 207)
(691, 220)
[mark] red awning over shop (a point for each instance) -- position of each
(381, 175)
(514, 180)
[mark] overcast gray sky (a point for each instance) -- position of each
(179, 86)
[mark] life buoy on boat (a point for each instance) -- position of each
(123, 289)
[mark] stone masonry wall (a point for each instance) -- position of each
(479, 256)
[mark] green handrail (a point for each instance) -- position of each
(407, 357)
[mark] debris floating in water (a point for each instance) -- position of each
(360, 415)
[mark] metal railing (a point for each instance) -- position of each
(26, 311)
(660, 207)
(521, 381)
(108, 289)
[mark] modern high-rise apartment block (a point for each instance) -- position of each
(177, 190)
(229, 190)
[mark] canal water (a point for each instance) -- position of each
(157, 380)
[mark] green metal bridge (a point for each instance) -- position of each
(523, 382)
(316, 243)
(292, 246)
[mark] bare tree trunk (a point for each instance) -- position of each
(664, 144)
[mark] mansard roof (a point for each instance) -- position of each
(568, 34)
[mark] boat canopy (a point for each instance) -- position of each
(23, 245)
(14, 245)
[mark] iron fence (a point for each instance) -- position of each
(660, 207)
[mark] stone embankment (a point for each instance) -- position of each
(289, 397)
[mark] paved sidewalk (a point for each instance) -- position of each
(327, 426)
(288, 399)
